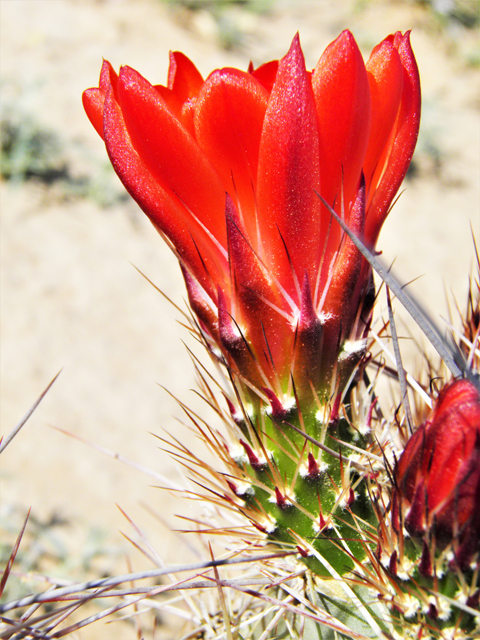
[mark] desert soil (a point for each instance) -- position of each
(72, 300)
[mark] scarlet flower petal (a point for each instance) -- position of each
(342, 98)
(170, 153)
(460, 508)
(341, 298)
(308, 348)
(108, 77)
(289, 174)
(93, 102)
(201, 305)
(235, 343)
(254, 299)
(184, 84)
(228, 124)
(385, 75)
(266, 74)
(184, 79)
(195, 249)
(94, 99)
(340, 295)
(438, 474)
(400, 148)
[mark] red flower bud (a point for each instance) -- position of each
(438, 474)
(292, 287)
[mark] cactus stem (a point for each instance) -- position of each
(290, 443)
(299, 466)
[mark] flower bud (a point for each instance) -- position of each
(438, 475)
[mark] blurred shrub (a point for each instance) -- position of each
(465, 12)
(228, 21)
(28, 151)
(31, 152)
(44, 551)
(218, 5)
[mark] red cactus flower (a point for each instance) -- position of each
(438, 474)
(271, 277)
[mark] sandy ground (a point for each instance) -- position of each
(71, 298)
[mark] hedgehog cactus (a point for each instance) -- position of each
(432, 548)
(238, 173)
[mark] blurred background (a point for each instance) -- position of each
(70, 297)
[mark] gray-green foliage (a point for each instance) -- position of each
(30, 151)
